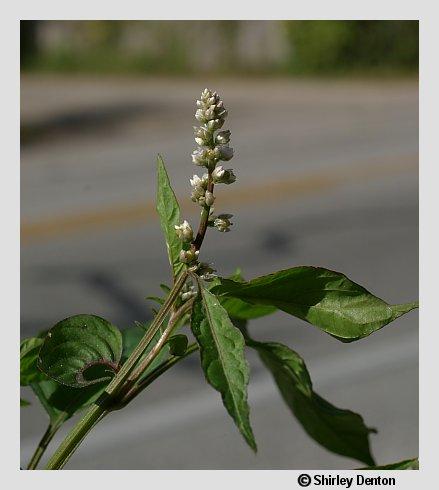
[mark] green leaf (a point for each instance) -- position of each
(222, 358)
(399, 310)
(81, 350)
(408, 464)
(62, 402)
(178, 345)
(24, 403)
(324, 298)
(59, 401)
(131, 337)
(169, 213)
(341, 431)
(237, 308)
(29, 372)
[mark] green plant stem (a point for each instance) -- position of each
(175, 317)
(72, 441)
(158, 371)
(102, 406)
(52, 429)
(204, 217)
(153, 353)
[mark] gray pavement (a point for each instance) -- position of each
(327, 175)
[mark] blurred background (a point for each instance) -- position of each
(324, 121)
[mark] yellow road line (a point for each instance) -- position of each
(288, 188)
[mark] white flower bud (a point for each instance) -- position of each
(197, 195)
(206, 94)
(188, 256)
(209, 113)
(218, 174)
(209, 198)
(196, 181)
(216, 153)
(184, 231)
(199, 156)
(202, 136)
(222, 176)
(199, 114)
(225, 152)
(199, 186)
(210, 108)
(200, 131)
(222, 222)
(212, 157)
(223, 137)
(215, 124)
(182, 256)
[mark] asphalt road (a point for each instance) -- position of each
(327, 175)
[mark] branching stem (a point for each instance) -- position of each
(153, 353)
(158, 371)
(102, 406)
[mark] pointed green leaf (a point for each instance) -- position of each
(169, 213)
(81, 350)
(237, 308)
(222, 358)
(29, 350)
(324, 298)
(338, 430)
(408, 464)
(399, 310)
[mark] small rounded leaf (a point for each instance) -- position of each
(178, 345)
(81, 350)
